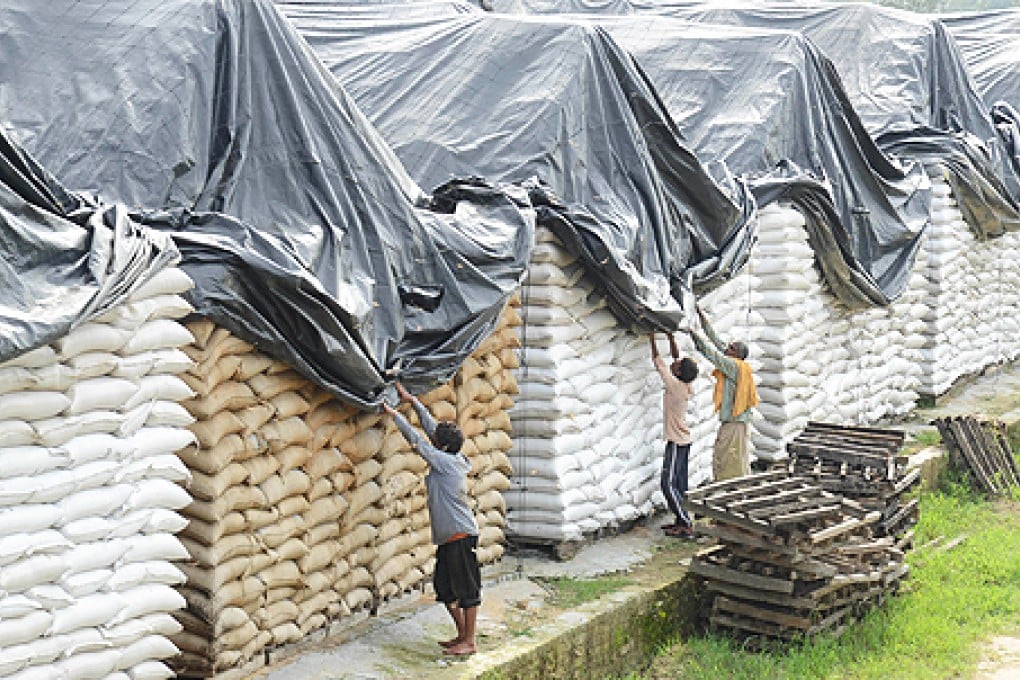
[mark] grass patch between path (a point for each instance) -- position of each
(568, 592)
(952, 602)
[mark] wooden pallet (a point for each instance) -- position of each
(985, 449)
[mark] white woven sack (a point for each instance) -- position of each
(156, 335)
(169, 281)
(41, 356)
(99, 394)
(31, 406)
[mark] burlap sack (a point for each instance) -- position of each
(320, 488)
(228, 396)
(261, 468)
(267, 386)
(207, 533)
(210, 487)
(323, 463)
(210, 432)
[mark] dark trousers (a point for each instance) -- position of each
(674, 480)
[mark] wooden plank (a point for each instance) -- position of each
(722, 515)
(728, 484)
(716, 571)
(865, 459)
(881, 433)
(731, 534)
(833, 531)
(766, 596)
(732, 606)
(837, 444)
(751, 626)
(802, 564)
(804, 515)
(748, 504)
(764, 489)
(906, 482)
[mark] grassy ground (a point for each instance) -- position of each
(568, 592)
(954, 600)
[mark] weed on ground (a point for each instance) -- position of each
(959, 594)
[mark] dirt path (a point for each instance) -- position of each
(1000, 659)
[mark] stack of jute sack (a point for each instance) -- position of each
(588, 424)
(971, 287)
(307, 509)
(820, 360)
(89, 488)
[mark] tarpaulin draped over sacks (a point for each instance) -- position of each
(64, 259)
(517, 99)
(989, 43)
(903, 73)
(296, 222)
(769, 105)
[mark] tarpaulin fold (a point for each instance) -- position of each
(64, 259)
(213, 121)
(559, 108)
(770, 107)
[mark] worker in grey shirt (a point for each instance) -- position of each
(457, 578)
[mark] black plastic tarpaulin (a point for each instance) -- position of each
(558, 108)
(902, 71)
(770, 106)
(990, 44)
(304, 235)
(908, 81)
(64, 259)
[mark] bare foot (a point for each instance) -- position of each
(461, 649)
(446, 644)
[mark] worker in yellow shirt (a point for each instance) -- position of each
(735, 395)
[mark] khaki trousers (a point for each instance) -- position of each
(730, 456)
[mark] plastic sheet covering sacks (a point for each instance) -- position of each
(770, 106)
(301, 230)
(90, 422)
(987, 41)
(519, 101)
(909, 84)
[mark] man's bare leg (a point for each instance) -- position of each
(457, 614)
(467, 640)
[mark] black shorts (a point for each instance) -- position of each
(457, 577)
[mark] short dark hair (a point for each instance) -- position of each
(685, 370)
(448, 436)
(740, 348)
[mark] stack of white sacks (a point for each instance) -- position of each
(972, 286)
(89, 485)
(819, 360)
(587, 428)
(588, 422)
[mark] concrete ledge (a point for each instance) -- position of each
(610, 637)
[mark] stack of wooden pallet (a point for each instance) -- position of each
(862, 464)
(793, 560)
(984, 449)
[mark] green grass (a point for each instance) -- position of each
(568, 592)
(953, 601)
(921, 440)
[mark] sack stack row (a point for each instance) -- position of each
(819, 360)
(306, 509)
(89, 488)
(971, 293)
(587, 449)
(585, 424)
